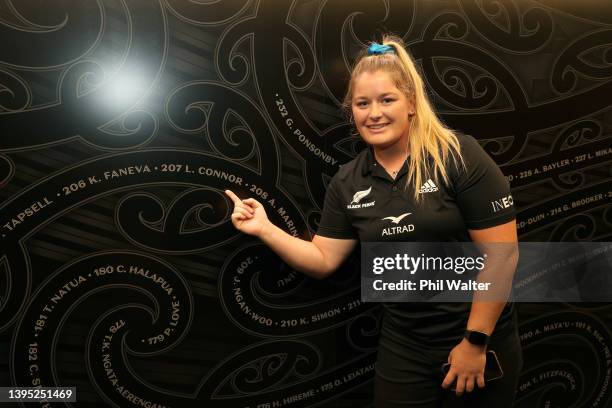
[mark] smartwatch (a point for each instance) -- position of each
(477, 338)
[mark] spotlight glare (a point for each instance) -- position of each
(121, 89)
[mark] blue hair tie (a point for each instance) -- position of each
(379, 49)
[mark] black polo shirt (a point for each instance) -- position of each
(364, 202)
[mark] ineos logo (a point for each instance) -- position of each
(502, 203)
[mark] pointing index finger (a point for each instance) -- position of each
(233, 196)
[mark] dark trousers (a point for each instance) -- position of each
(410, 376)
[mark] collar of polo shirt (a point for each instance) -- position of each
(371, 166)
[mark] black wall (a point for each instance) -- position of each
(122, 122)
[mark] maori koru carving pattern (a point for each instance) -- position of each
(122, 122)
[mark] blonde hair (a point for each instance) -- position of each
(429, 139)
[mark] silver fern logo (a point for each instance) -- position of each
(358, 196)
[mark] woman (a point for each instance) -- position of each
(438, 186)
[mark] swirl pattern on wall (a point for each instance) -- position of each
(123, 122)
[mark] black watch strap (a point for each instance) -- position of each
(477, 338)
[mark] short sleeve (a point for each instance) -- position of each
(482, 192)
(334, 221)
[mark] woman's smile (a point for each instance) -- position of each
(377, 128)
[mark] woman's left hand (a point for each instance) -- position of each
(467, 367)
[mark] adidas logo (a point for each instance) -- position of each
(428, 187)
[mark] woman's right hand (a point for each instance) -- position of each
(249, 215)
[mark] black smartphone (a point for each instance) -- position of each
(493, 369)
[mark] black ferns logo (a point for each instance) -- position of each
(358, 196)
